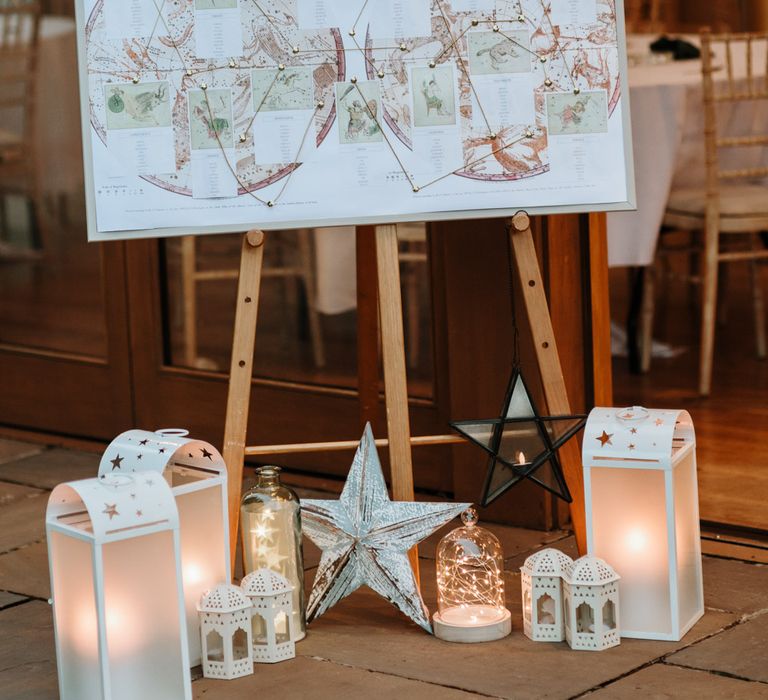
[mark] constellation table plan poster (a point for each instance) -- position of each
(209, 116)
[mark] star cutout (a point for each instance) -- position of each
(162, 450)
(631, 447)
(522, 444)
(117, 462)
(365, 538)
(139, 513)
(659, 422)
(208, 455)
(139, 456)
(605, 439)
(633, 431)
(143, 442)
(110, 510)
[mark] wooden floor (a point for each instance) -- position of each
(731, 425)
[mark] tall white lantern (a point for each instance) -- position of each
(643, 516)
(198, 476)
(118, 605)
(542, 591)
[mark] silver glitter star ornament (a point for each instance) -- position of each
(365, 539)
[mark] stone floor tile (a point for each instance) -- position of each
(23, 521)
(27, 653)
(7, 599)
(50, 468)
(364, 631)
(25, 571)
(740, 651)
(13, 492)
(663, 682)
(735, 586)
(13, 449)
(564, 544)
(310, 679)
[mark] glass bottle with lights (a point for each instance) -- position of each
(470, 585)
(271, 528)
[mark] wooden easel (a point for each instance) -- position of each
(400, 440)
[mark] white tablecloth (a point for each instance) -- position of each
(667, 133)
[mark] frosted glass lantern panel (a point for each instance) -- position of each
(75, 612)
(585, 619)
(215, 645)
(259, 626)
(142, 618)
(545, 610)
(202, 527)
(630, 532)
(688, 539)
(240, 648)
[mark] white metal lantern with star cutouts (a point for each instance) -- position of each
(591, 605)
(542, 591)
(642, 509)
(118, 604)
(198, 476)
(226, 633)
(274, 626)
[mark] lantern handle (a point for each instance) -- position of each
(635, 414)
(172, 432)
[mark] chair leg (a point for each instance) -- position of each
(758, 301)
(310, 287)
(708, 308)
(646, 317)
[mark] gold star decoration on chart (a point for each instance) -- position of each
(366, 537)
(110, 510)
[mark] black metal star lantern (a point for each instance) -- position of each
(521, 443)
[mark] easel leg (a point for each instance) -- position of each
(241, 370)
(395, 383)
(521, 239)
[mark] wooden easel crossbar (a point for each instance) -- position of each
(400, 441)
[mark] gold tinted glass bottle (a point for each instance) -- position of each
(271, 526)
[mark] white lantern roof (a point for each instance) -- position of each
(547, 562)
(265, 582)
(590, 571)
(637, 438)
(225, 598)
(113, 507)
(168, 452)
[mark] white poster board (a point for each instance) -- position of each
(213, 116)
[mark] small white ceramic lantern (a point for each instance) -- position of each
(118, 604)
(642, 511)
(274, 628)
(470, 585)
(542, 590)
(225, 633)
(591, 605)
(198, 476)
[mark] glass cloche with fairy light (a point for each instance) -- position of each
(470, 585)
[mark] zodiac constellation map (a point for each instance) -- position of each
(215, 115)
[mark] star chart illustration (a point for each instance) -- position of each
(237, 99)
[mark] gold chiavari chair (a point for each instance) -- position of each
(731, 209)
(19, 172)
